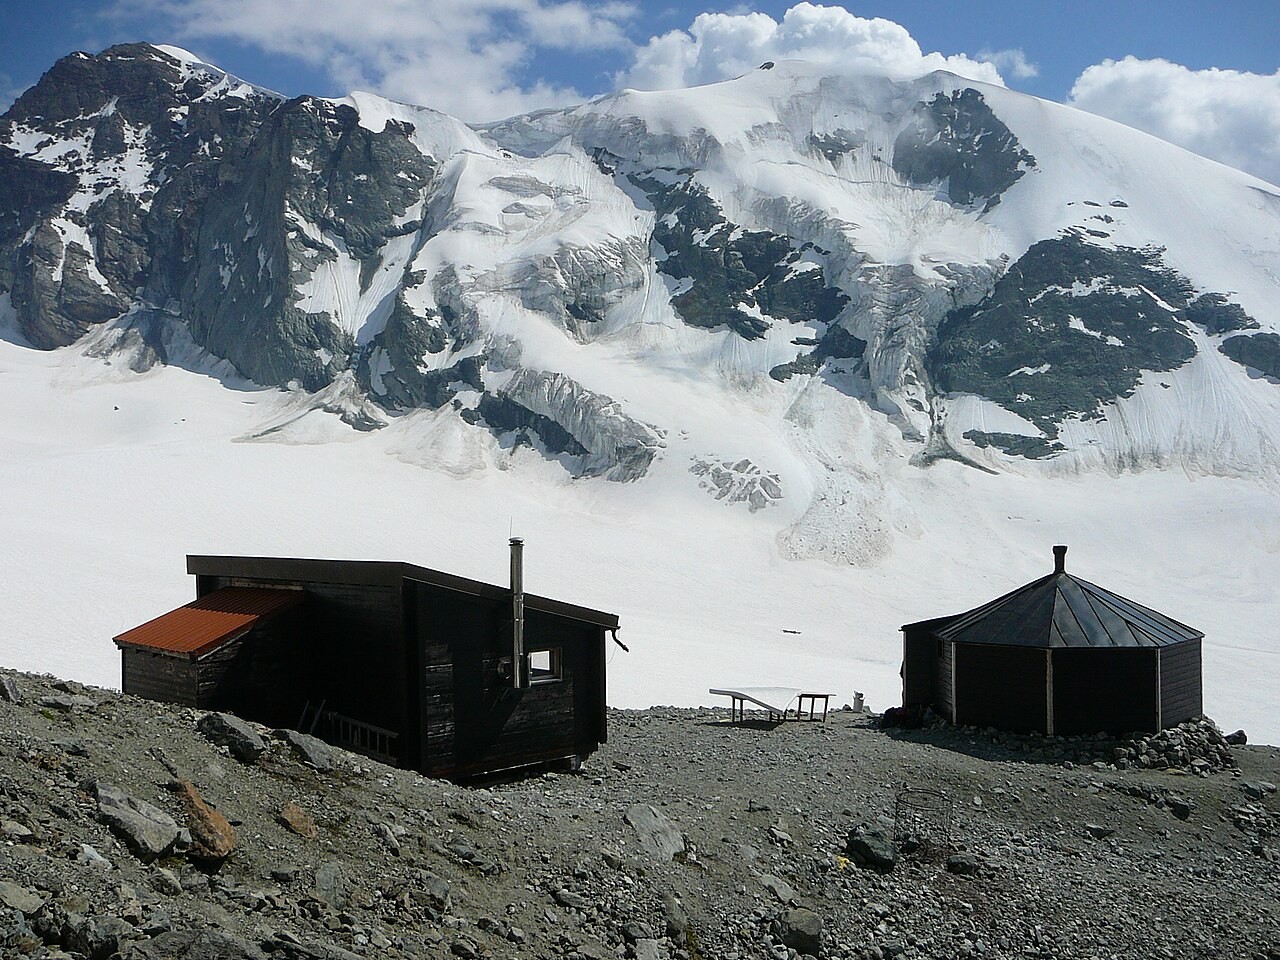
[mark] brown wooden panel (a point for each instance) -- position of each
(943, 692)
(1181, 690)
(1110, 690)
(472, 719)
(1001, 687)
(919, 650)
(156, 676)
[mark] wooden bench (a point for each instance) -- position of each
(777, 700)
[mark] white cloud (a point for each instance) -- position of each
(1013, 62)
(721, 45)
(460, 56)
(1227, 115)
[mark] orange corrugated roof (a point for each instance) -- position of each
(201, 625)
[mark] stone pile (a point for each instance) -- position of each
(1197, 745)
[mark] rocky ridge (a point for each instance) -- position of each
(141, 830)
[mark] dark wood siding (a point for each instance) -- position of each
(1001, 687)
(265, 674)
(1181, 692)
(345, 648)
(158, 676)
(944, 699)
(472, 720)
(918, 681)
(1097, 690)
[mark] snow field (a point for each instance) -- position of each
(111, 479)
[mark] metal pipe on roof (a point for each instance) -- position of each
(519, 662)
(1060, 559)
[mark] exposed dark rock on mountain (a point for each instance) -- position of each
(957, 139)
(1261, 351)
(727, 270)
(1069, 327)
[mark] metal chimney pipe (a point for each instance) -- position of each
(519, 663)
(1059, 559)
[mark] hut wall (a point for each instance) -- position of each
(472, 721)
(918, 652)
(264, 674)
(344, 646)
(1098, 690)
(1001, 687)
(944, 694)
(1181, 692)
(158, 676)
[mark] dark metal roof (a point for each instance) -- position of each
(1062, 611)
(198, 627)
(384, 572)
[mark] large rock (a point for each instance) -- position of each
(330, 886)
(9, 691)
(193, 945)
(212, 836)
(298, 821)
(234, 734)
(148, 830)
(312, 749)
(871, 847)
(801, 930)
(659, 837)
(19, 898)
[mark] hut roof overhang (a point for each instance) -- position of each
(1060, 610)
(199, 627)
(387, 572)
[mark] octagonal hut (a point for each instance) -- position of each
(1059, 655)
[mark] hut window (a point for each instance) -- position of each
(545, 665)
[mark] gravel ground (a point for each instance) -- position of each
(686, 837)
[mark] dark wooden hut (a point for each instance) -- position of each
(415, 667)
(1060, 656)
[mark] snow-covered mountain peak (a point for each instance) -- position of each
(941, 250)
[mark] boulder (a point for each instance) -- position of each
(432, 892)
(659, 836)
(67, 702)
(9, 691)
(779, 888)
(1258, 789)
(1237, 739)
(148, 830)
(234, 734)
(312, 749)
(298, 820)
(193, 944)
(212, 836)
(1180, 807)
(801, 930)
(871, 847)
(330, 887)
(19, 898)
(964, 864)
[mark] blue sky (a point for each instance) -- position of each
(1200, 74)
